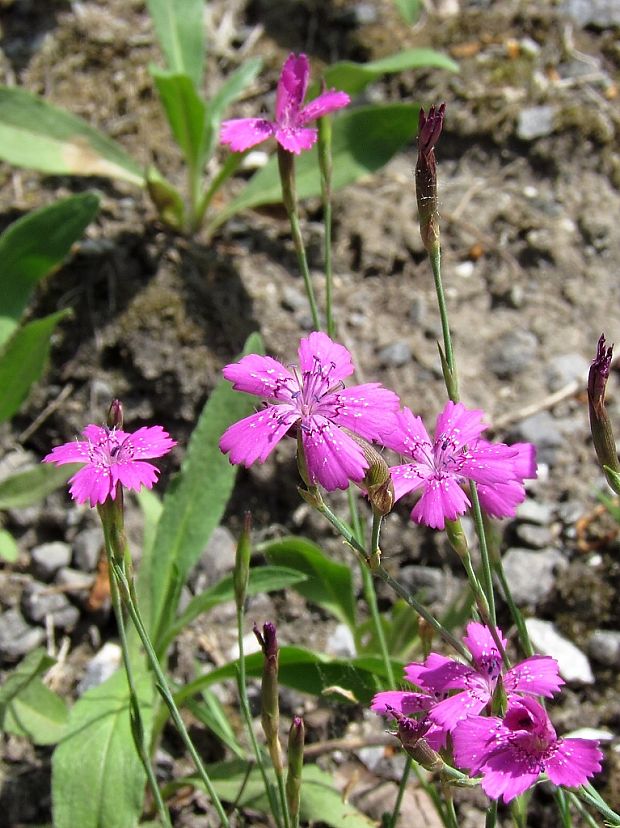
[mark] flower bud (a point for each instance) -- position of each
(411, 734)
(377, 482)
(270, 709)
(296, 737)
(241, 573)
(600, 425)
(426, 176)
(115, 414)
(457, 538)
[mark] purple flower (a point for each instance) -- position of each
(289, 126)
(317, 400)
(513, 752)
(441, 466)
(537, 675)
(111, 456)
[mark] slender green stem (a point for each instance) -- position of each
(491, 817)
(515, 612)
(451, 380)
(318, 502)
(402, 785)
(226, 170)
(329, 276)
(137, 727)
(591, 796)
(128, 595)
(487, 578)
(245, 709)
(283, 800)
(432, 791)
(300, 250)
(451, 818)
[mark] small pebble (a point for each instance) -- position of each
(542, 430)
(566, 368)
(573, 664)
(465, 270)
(533, 511)
(604, 646)
(341, 643)
(38, 602)
(87, 548)
(48, 558)
(530, 574)
(535, 122)
(396, 354)
(537, 537)
(513, 353)
(17, 638)
(100, 667)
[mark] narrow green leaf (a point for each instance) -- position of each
(97, 778)
(211, 713)
(9, 550)
(23, 359)
(328, 584)
(39, 136)
(166, 198)
(308, 672)
(180, 29)
(17, 680)
(195, 500)
(228, 92)
(363, 140)
(353, 78)
(33, 246)
(321, 803)
(38, 714)
(28, 487)
(262, 579)
(409, 9)
(186, 113)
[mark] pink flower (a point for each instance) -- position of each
(401, 704)
(289, 127)
(441, 466)
(513, 752)
(111, 456)
(317, 401)
(537, 675)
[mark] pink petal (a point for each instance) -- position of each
(135, 474)
(459, 425)
(501, 499)
(473, 738)
(150, 441)
(507, 774)
(449, 712)
(332, 457)
(367, 410)
(261, 375)
(537, 675)
(479, 641)
(292, 87)
(525, 461)
(413, 671)
(75, 452)
(296, 139)
(319, 349)
(401, 701)
(98, 434)
(410, 438)
(242, 133)
(573, 761)
(408, 478)
(256, 436)
(443, 498)
(327, 102)
(489, 463)
(93, 484)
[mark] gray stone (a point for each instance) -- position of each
(602, 14)
(566, 368)
(395, 354)
(537, 537)
(428, 580)
(87, 548)
(542, 430)
(217, 559)
(535, 122)
(78, 584)
(48, 558)
(293, 299)
(531, 574)
(573, 664)
(340, 643)
(17, 638)
(533, 511)
(418, 310)
(100, 667)
(604, 646)
(513, 353)
(38, 602)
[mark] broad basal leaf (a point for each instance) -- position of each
(180, 28)
(33, 246)
(37, 135)
(27, 487)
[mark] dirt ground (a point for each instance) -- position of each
(529, 168)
